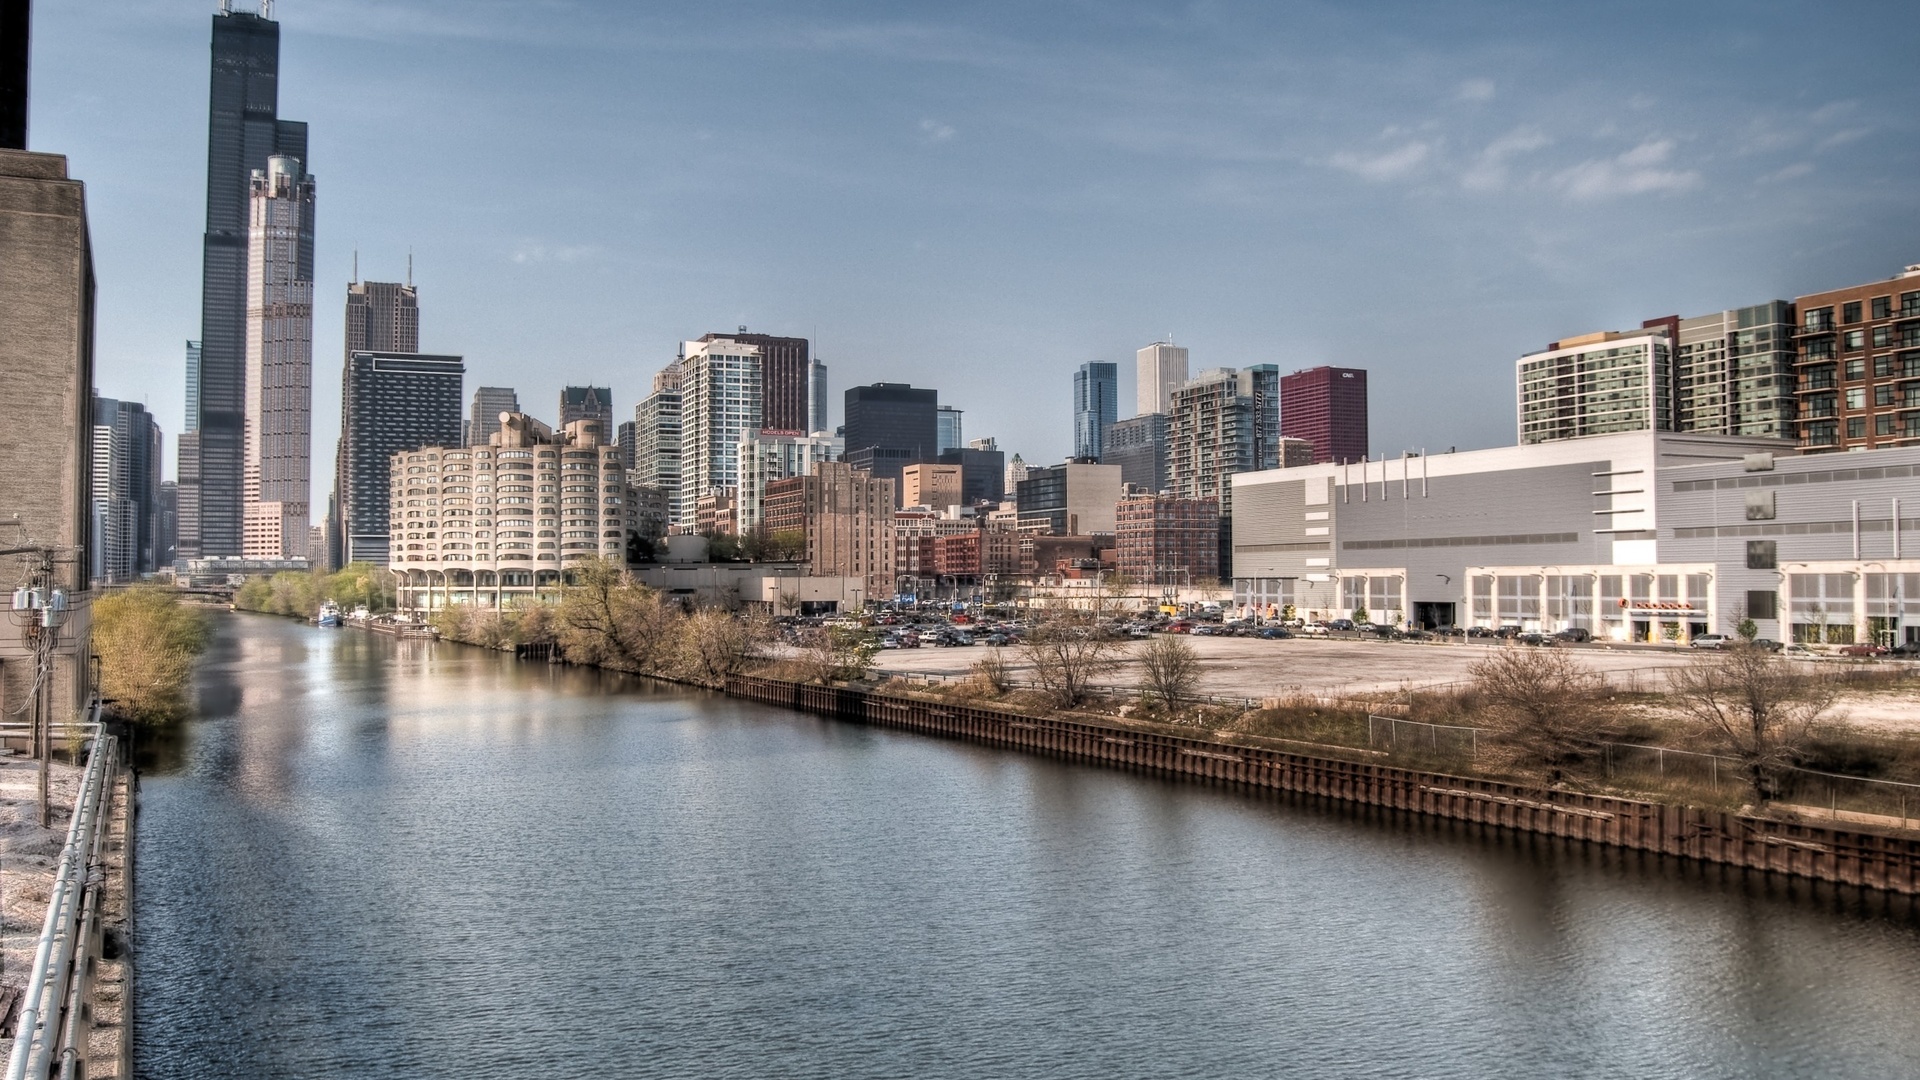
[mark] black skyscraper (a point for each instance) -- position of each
(391, 402)
(243, 131)
(890, 426)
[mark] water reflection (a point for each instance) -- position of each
(371, 857)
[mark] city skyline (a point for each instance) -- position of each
(1449, 174)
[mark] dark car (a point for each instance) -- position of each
(1908, 649)
(1765, 644)
(1481, 632)
(1574, 635)
(1530, 639)
(1510, 630)
(1340, 624)
(1274, 633)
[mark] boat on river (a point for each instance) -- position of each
(329, 614)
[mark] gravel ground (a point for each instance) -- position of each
(28, 855)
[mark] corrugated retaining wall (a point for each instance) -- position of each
(1868, 860)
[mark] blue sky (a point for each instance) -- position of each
(979, 197)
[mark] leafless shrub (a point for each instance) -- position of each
(1755, 706)
(1545, 710)
(1170, 670)
(993, 672)
(1067, 652)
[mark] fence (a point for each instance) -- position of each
(1817, 852)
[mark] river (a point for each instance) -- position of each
(379, 858)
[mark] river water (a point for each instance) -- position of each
(376, 858)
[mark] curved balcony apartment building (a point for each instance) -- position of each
(496, 525)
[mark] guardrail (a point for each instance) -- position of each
(50, 1010)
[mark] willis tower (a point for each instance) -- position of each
(243, 131)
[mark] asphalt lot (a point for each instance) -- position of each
(1251, 667)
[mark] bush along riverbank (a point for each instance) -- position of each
(1736, 730)
(299, 593)
(147, 641)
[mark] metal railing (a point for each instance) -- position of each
(52, 991)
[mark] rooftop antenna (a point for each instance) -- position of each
(409, 268)
(356, 266)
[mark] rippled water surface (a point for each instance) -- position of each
(372, 858)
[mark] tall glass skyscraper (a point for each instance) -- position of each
(243, 131)
(1096, 390)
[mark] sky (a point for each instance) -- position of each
(980, 197)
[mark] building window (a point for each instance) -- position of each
(1856, 369)
(1850, 312)
(1883, 424)
(1883, 395)
(1819, 319)
(1883, 307)
(1763, 604)
(1823, 433)
(1857, 427)
(1882, 337)
(1854, 340)
(1763, 554)
(1856, 397)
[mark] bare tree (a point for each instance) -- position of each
(715, 645)
(1067, 650)
(837, 653)
(1757, 707)
(606, 618)
(1170, 669)
(1544, 708)
(993, 671)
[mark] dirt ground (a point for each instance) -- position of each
(1253, 668)
(28, 855)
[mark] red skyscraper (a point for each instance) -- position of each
(1327, 406)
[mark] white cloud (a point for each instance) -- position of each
(934, 131)
(1390, 165)
(1475, 90)
(1489, 169)
(1640, 171)
(535, 252)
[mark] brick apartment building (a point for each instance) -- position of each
(1165, 540)
(1858, 365)
(847, 517)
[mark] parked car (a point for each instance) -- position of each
(1482, 632)
(1313, 629)
(1798, 651)
(1179, 626)
(1340, 624)
(1273, 633)
(1766, 644)
(1414, 635)
(1573, 635)
(1862, 648)
(1709, 641)
(1906, 649)
(1529, 638)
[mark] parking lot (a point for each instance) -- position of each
(1250, 667)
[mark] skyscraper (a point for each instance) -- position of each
(390, 402)
(382, 316)
(243, 132)
(126, 491)
(947, 427)
(1138, 445)
(1162, 367)
(483, 419)
(890, 426)
(1217, 427)
(656, 439)
(786, 380)
(719, 402)
(587, 403)
(277, 481)
(817, 418)
(1327, 406)
(1096, 391)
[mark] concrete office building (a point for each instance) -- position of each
(593, 403)
(1076, 498)
(765, 458)
(1859, 365)
(493, 526)
(890, 426)
(786, 381)
(1138, 445)
(243, 133)
(483, 417)
(1597, 384)
(1016, 472)
(277, 482)
(1570, 532)
(1160, 368)
(127, 448)
(46, 373)
(847, 516)
(625, 437)
(382, 316)
(656, 438)
(1327, 406)
(948, 429)
(390, 403)
(719, 403)
(931, 485)
(1096, 392)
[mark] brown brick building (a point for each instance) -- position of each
(1169, 541)
(847, 516)
(1858, 365)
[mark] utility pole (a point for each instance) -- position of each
(40, 609)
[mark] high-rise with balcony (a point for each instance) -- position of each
(277, 482)
(1096, 390)
(391, 402)
(656, 439)
(786, 380)
(1327, 406)
(243, 132)
(719, 402)
(1733, 371)
(1859, 365)
(1216, 428)
(1161, 367)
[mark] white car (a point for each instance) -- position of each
(1311, 630)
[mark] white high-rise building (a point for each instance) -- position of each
(765, 458)
(276, 481)
(720, 400)
(1016, 472)
(1162, 369)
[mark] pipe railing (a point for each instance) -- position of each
(38, 1028)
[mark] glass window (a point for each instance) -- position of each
(1857, 427)
(1856, 369)
(1854, 340)
(1882, 307)
(1762, 554)
(1882, 337)
(1883, 424)
(1856, 397)
(1763, 604)
(1819, 318)
(1883, 395)
(1850, 311)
